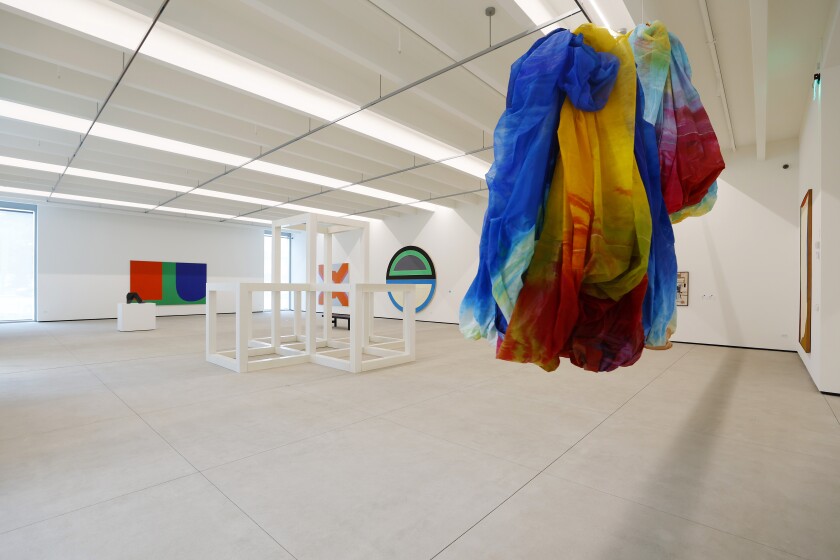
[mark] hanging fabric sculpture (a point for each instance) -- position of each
(593, 162)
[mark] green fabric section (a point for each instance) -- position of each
(426, 271)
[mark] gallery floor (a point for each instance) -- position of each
(130, 445)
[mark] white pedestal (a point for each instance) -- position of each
(136, 316)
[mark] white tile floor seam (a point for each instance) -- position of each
(94, 504)
(546, 467)
(203, 475)
(696, 452)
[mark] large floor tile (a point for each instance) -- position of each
(225, 429)
(524, 431)
(50, 399)
(834, 403)
(722, 404)
(372, 490)
(160, 383)
(552, 518)
(183, 519)
(22, 357)
(379, 391)
(783, 499)
(570, 385)
(52, 473)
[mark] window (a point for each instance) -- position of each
(17, 262)
(285, 269)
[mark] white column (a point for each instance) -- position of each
(210, 320)
(243, 327)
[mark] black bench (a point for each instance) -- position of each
(337, 316)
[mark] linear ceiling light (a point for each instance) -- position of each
(120, 26)
(297, 174)
(236, 197)
(249, 219)
(34, 165)
(43, 117)
(28, 192)
(192, 212)
(301, 208)
(90, 174)
(95, 200)
(376, 193)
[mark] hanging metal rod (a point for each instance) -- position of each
(110, 94)
(377, 101)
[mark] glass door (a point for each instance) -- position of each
(17, 262)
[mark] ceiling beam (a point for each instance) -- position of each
(758, 38)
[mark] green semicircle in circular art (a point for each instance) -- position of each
(411, 261)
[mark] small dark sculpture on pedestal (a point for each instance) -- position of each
(133, 296)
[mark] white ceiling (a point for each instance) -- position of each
(356, 50)
(794, 37)
(348, 48)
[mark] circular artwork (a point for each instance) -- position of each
(412, 265)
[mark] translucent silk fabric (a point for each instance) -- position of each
(558, 68)
(688, 148)
(594, 161)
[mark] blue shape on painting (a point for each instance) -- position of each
(191, 280)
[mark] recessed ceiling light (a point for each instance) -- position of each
(115, 24)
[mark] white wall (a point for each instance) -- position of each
(810, 177)
(743, 257)
(819, 142)
(84, 254)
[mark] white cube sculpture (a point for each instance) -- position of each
(361, 351)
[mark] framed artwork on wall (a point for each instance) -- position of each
(805, 241)
(682, 288)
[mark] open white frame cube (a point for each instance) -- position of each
(313, 224)
(303, 344)
(348, 354)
